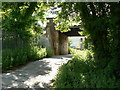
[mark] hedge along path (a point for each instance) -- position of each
(37, 74)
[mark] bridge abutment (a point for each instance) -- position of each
(63, 44)
(58, 41)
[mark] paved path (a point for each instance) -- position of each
(37, 74)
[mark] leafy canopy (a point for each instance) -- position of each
(22, 17)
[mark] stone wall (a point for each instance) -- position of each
(58, 41)
(53, 36)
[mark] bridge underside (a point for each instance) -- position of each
(58, 40)
(74, 31)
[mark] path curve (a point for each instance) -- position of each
(37, 74)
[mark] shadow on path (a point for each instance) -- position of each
(37, 74)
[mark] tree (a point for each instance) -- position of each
(21, 18)
(101, 24)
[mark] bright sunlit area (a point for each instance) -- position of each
(76, 42)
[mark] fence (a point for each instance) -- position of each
(12, 40)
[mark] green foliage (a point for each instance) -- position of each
(100, 21)
(64, 19)
(20, 56)
(84, 54)
(37, 53)
(21, 18)
(82, 73)
(100, 25)
(62, 24)
(43, 42)
(49, 52)
(71, 50)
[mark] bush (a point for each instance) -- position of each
(81, 72)
(71, 50)
(44, 43)
(20, 56)
(49, 52)
(36, 53)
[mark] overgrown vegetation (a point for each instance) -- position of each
(12, 58)
(100, 24)
(43, 42)
(20, 31)
(81, 72)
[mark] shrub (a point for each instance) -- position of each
(71, 50)
(20, 56)
(44, 43)
(81, 72)
(49, 52)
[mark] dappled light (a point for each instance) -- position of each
(36, 74)
(60, 45)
